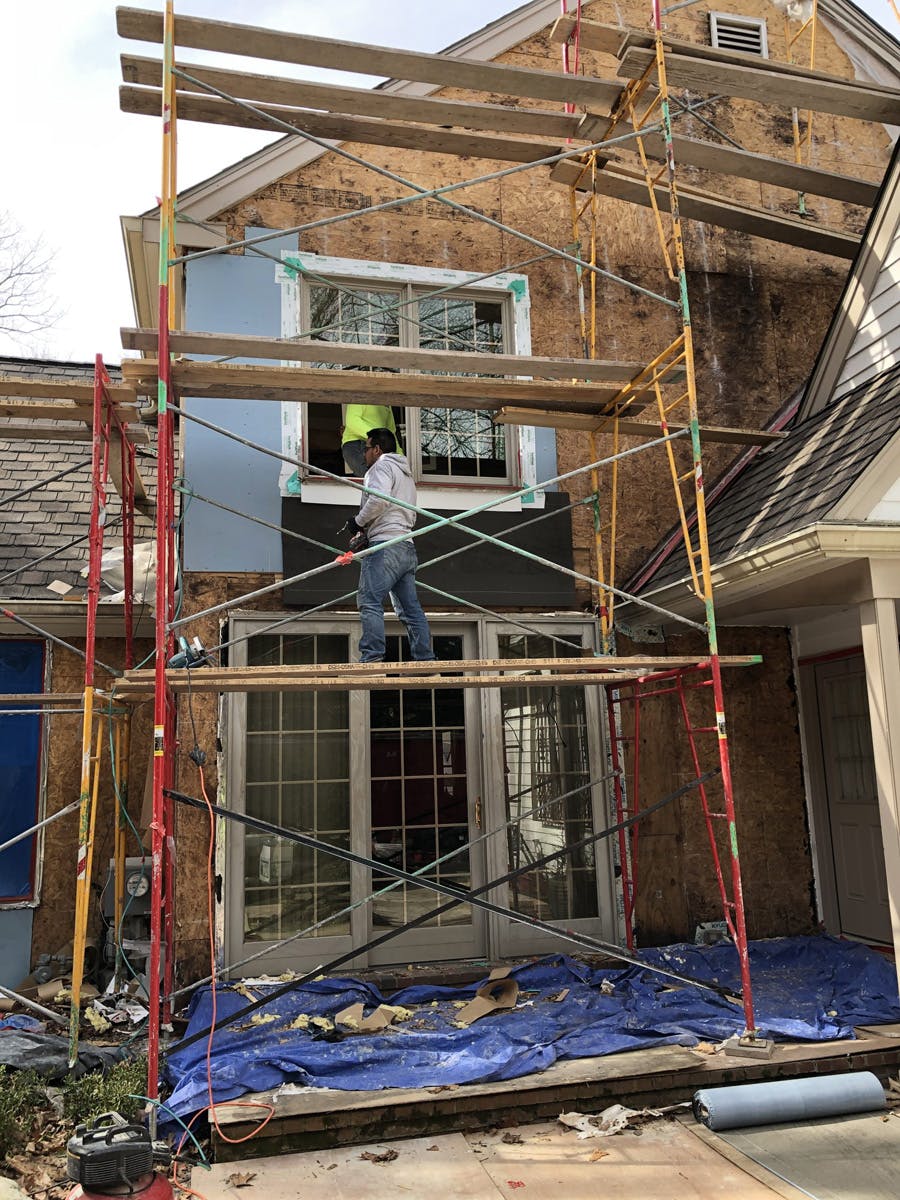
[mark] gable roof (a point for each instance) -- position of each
(874, 53)
(51, 523)
(797, 482)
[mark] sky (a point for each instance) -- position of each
(73, 163)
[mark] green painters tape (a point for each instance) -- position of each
(519, 288)
(293, 486)
(732, 833)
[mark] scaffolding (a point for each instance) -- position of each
(104, 413)
(655, 403)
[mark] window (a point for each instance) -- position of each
(384, 304)
(747, 34)
(21, 672)
(446, 444)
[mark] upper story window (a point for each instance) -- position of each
(446, 444)
(384, 304)
(731, 32)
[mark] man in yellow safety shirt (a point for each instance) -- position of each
(358, 420)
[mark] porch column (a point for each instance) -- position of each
(881, 650)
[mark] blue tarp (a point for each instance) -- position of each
(804, 989)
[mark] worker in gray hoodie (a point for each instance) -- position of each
(393, 569)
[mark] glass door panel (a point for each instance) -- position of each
(296, 774)
(547, 753)
(420, 810)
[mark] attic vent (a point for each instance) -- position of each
(748, 34)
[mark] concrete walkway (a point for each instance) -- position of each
(662, 1158)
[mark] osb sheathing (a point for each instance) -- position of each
(53, 918)
(677, 885)
(759, 312)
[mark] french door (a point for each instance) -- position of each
(388, 774)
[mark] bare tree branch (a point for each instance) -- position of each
(25, 306)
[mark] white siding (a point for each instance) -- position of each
(876, 342)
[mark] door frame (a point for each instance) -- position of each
(822, 843)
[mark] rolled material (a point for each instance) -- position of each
(780, 1100)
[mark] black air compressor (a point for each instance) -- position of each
(110, 1157)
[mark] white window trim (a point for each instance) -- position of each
(507, 286)
(736, 20)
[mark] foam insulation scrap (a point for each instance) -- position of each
(304, 1020)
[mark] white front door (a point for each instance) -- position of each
(852, 797)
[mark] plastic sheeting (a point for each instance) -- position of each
(805, 989)
(48, 1054)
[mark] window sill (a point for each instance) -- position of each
(434, 496)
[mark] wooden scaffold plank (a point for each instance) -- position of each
(727, 160)
(59, 411)
(136, 434)
(541, 672)
(310, 384)
(587, 423)
(356, 102)
(12, 386)
(621, 184)
(214, 111)
(251, 41)
(391, 357)
(842, 98)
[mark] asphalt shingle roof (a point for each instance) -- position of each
(45, 521)
(798, 481)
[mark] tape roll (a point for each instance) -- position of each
(781, 1100)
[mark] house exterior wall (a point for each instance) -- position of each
(759, 308)
(759, 312)
(53, 917)
(677, 885)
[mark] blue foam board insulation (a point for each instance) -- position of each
(804, 989)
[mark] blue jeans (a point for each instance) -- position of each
(391, 570)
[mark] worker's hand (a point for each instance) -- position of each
(359, 542)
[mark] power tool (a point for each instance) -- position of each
(111, 1157)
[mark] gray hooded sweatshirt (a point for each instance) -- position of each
(379, 518)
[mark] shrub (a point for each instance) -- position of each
(96, 1093)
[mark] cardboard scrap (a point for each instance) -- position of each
(496, 995)
(352, 1017)
(58, 990)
